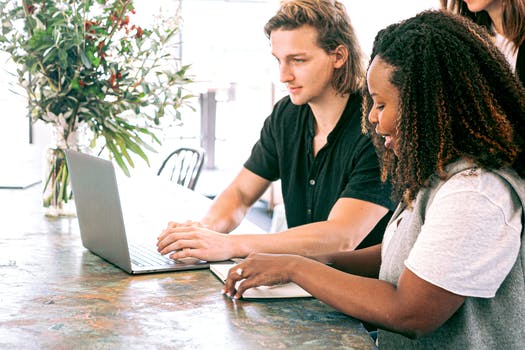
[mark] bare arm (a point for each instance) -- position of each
(348, 223)
(229, 208)
(363, 262)
(413, 308)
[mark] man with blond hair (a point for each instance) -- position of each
(312, 141)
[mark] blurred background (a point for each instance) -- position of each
(236, 77)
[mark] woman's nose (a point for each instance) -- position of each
(372, 117)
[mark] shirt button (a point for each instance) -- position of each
(311, 182)
(308, 211)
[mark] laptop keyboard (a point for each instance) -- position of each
(144, 256)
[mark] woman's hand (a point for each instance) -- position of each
(260, 270)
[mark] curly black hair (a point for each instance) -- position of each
(458, 99)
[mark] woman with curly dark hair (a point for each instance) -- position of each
(505, 19)
(448, 116)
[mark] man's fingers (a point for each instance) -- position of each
(172, 235)
(174, 226)
(186, 253)
(179, 245)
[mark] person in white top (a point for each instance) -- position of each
(448, 120)
(505, 19)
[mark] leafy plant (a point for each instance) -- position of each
(84, 61)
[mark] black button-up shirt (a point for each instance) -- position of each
(347, 166)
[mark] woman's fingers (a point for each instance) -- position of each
(235, 274)
(257, 270)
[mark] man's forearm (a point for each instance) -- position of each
(224, 214)
(306, 240)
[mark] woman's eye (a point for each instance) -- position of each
(380, 107)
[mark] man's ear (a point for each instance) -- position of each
(340, 54)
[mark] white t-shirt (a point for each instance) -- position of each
(471, 235)
(508, 49)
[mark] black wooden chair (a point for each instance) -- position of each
(183, 166)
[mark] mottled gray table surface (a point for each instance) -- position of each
(54, 294)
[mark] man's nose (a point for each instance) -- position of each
(285, 73)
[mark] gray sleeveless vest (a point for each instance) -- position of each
(480, 323)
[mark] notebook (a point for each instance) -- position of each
(288, 290)
(101, 220)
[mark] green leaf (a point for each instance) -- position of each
(118, 158)
(85, 60)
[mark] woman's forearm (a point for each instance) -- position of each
(363, 262)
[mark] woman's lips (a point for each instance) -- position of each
(388, 141)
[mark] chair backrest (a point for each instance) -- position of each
(183, 166)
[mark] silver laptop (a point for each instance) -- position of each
(101, 220)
